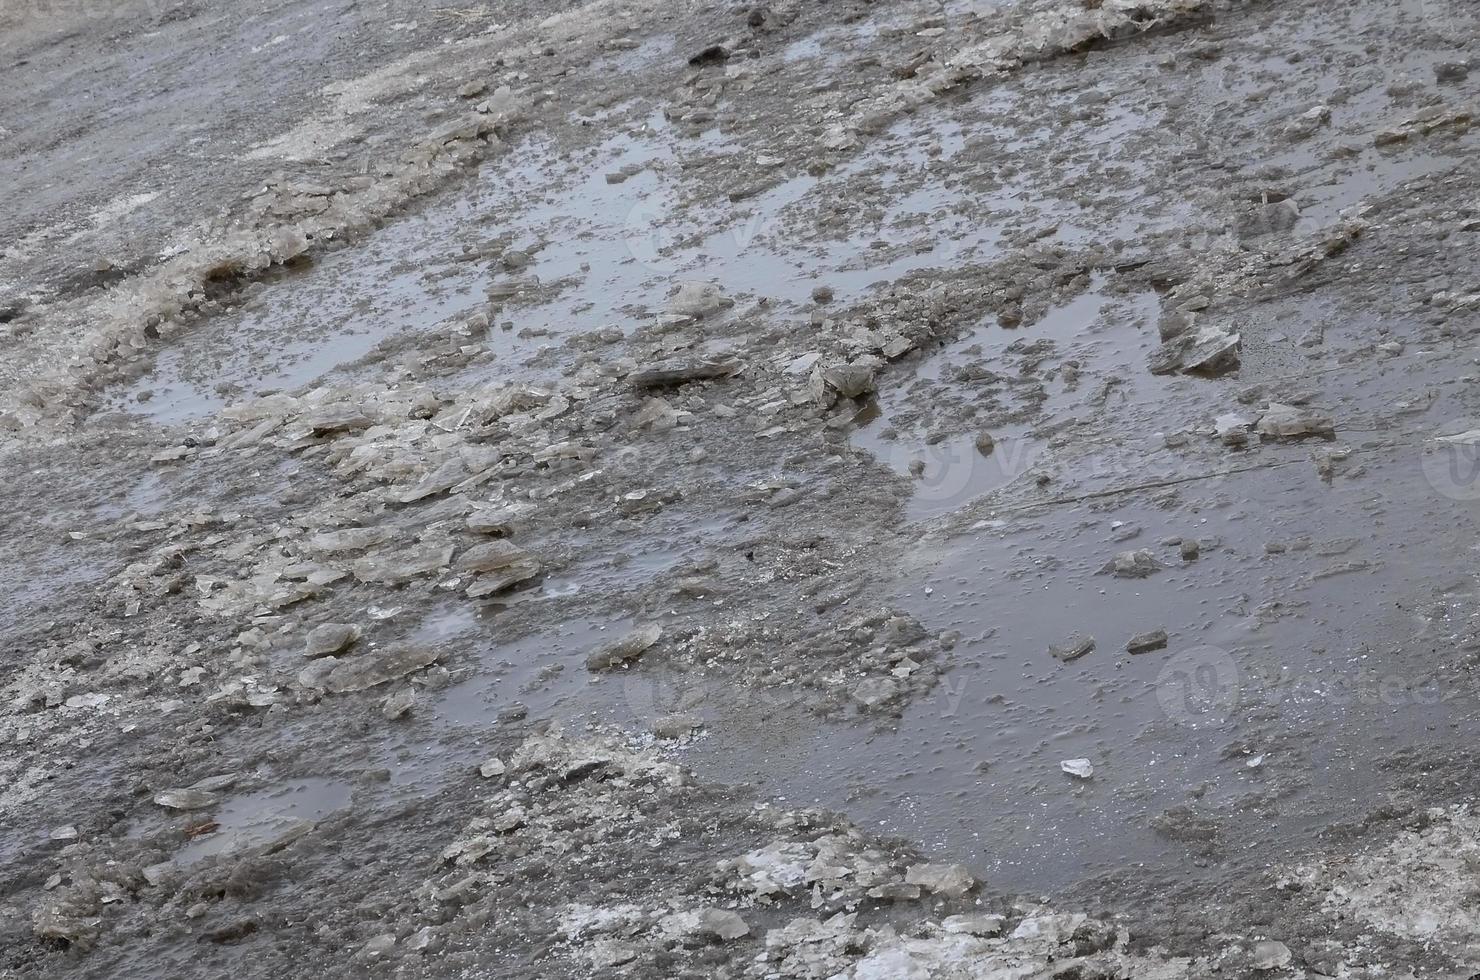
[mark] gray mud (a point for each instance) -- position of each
(981, 489)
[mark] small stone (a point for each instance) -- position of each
(1208, 350)
(1267, 218)
(378, 946)
(492, 767)
(1078, 768)
(698, 299)
(1189, 549)
(985, 443)
(498, 521)
(215, 784)
(440, 480)
(1449, 72)
(873, 691)
(1271, 955)
(822, 294)
(1307, 123)
(1290, 422)
(397, 566)
(473, 89)
(349, 539)
(423, 940)
(849, 380)
(803, 363)
(65, 833)
(316, 673)
(1132, 564)
(629, 648)
(712, 55)
(327, 638)
(676, 725)
(398, 703)
(679, 371)
(337, 418)
(492, 556)
(1146, 642)
(491, 583)
(1232, 429)
(1076, 646)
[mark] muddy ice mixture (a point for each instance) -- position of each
(832, 490)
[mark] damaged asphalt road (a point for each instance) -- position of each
(829, 490)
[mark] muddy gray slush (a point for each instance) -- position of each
(825, 491)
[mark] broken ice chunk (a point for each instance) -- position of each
(327, 638)
(1132, 564)
(1076, 646)
(1078, 768)
(379, 668)
(630, 647)
(1289, 422)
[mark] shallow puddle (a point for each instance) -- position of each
(253, 819)
(1270, 685)
(540, 675)
(1110, 337)
(604, 235)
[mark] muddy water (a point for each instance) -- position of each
(1284, 676)
(1298, 651)
(1249, 715)
(607, 235)
(1111, 336)
(253, 819)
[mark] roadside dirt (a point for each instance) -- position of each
(827, 490)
